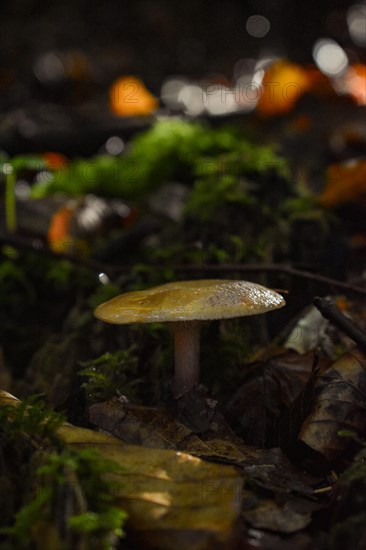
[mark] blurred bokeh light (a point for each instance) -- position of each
(330, 57)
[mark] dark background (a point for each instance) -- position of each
(156, 38)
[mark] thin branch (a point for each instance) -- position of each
(276, 268)
(330, 311)
(36, 246)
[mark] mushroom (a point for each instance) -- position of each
(185, 305)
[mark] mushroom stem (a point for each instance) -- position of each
(187, 352)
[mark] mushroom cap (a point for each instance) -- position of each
(190, 300)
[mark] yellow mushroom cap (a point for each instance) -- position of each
(190, 300)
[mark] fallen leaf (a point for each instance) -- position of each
(264, 540)
(282, 86)
(308, 332)
(267, 468)
(345, 183)
(337, 402)
(128, 96)
(173, 499)
(286, 518)
(150, 427)
(272, 470)
(268, 389)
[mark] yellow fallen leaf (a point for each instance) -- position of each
(173, 499)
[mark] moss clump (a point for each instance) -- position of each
(111, 375)
(63, 498)
(171, 150)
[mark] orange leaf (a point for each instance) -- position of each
(128, 96)
(283, 84)
(345, 183)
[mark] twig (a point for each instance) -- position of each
(330, 311)
(38, 247)
(28, 245)
(322, 490)
(279, 268)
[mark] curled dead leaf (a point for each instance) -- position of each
(337, 402)
(268, 389)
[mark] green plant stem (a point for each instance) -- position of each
(10, 204)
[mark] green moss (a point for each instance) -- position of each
(232, 178)
(30, 418)
(63, 494)
(154, 156)
(74, 483)
(19, 535)
(110, 375)
(171, 149)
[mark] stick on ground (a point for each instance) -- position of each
(330, 311)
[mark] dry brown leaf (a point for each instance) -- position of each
(338, 402)
(259, 539)
(138, 425)
(268, 389)
(267, 468)
(280, 519)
